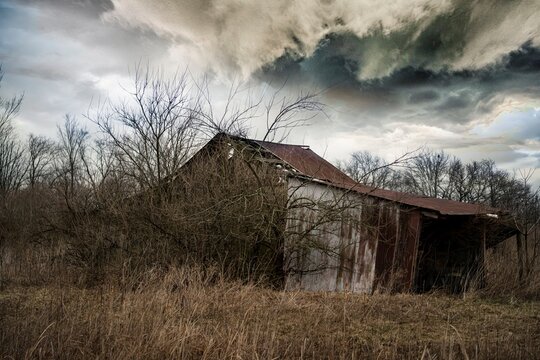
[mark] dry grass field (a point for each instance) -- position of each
(187, 313)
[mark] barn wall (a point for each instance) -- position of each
(405, 258)
(397, 249)
(388, 225)
(331, 240)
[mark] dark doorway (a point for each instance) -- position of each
(448, 254)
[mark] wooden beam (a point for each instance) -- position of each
(482, 257)
(414, 260)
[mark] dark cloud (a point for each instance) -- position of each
(448, 68)
(423, 96)
(411, 91)
(452, 102)
(524, 60)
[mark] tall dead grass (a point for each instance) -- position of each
(502, 273)
(192, 312)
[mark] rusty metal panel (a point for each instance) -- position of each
(388, 222)
(406, 249)
(372, 244)
(415, 230)
(307, 162)
(364, 270)
(397, 248)
(310, 244)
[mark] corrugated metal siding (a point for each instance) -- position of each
(387, 225)
(364, 274)
(399, 231)
(406, 250)
(373, 244)
(341, 251)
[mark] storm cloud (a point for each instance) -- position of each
(432, 34)
(420, 88)
(433, 62)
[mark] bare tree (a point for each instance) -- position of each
(12, 154)
(102, 165)
(41, 153)
(527, 218)
(72, 148)
(290, 113)
(367, 168)
(233, 118)
(153, 131)
(427, 174)
(457, 179)
(282, 113)
(372, 170)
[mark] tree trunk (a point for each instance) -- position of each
(519, 248)
(527, 268)
(482, 259)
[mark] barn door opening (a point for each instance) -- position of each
(448, 254)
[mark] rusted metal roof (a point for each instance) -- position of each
(309, 164)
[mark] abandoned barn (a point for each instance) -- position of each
(339, 235)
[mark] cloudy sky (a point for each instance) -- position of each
(458, 75)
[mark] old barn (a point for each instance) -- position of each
(339, 235)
